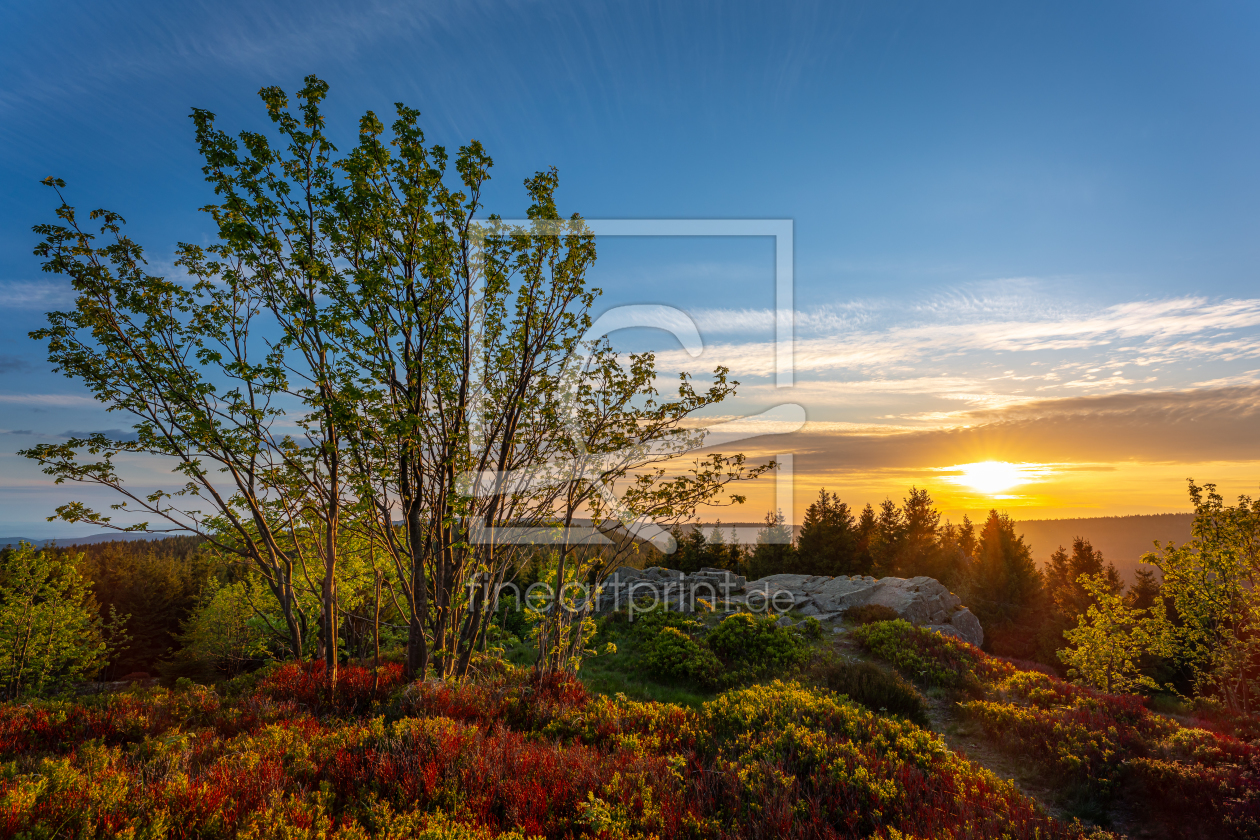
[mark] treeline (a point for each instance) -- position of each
(166, 608)
(1024, 610)
(1123, 539)
(106, 610)
(175, 608)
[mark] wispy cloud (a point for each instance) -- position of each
(57, 400)
(866, 338)
(1185, 427)
(13, 364)
(35, 294)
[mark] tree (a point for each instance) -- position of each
(1211, 583)
(695, 551)
(1146, 590)
(50, 633)
(828, 542)
(225, 630)
(920, 552)
(1066, 598)
(955, 553)
(1063, 578)
(357, 346)
(866, 527)
(1006, 588)
(1106, 646)
(155, 582)
(888, 539)
(774, 552)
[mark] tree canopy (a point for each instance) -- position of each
(361, 366)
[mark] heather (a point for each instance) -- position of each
(508, 753)
(1096, 748)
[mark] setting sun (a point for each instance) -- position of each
(992, 477)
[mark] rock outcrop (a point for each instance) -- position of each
(923, 601)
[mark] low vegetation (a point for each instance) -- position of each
(507, 754)
(1191, 779)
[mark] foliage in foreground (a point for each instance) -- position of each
(741, 649)
(1100, 745)
(50, 634)
(928, 658)
(876, 688)
(511, 753)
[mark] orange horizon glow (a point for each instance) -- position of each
(1025, 490)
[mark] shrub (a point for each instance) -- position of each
(1222, 800)
(1216, 716)
(753, 648)
(515, 752)
(870, 613)
(811, 628)
(306, 683)
(795, 763)
(1093, 742)
(671, 654)
(875, 688)
(930, 658)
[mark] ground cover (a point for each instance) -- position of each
(1104, 756)
(507, 754)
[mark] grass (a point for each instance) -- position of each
(614, 674)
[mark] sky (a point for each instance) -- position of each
(1022, 234)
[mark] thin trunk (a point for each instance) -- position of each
(417, 649)
(376, 637)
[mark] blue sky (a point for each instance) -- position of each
(1001, 211)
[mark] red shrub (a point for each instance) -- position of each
(307, 684)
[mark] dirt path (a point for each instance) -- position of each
(973, 743)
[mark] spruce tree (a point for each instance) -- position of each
(828, 543)
(1006, 589)
(774, 553)
(920, 550)
(866, 527)
(888, 540)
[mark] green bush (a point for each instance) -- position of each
(672, 654)
(756, 648)
(648, 623)
(874, 687)
(811, 628)
(870, 613)
(930, 658)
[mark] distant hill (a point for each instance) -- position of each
(1121, 539)
(94, 538)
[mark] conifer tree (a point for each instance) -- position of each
(866, 527)
(920, 551)
(828, 542)
(1063, 578)
(888, 539)
(1006, 588)
(1146, 590)
(774, 553)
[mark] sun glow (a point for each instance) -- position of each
(993, 477)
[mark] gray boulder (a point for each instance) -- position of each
(919, 600)
(922, 601)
